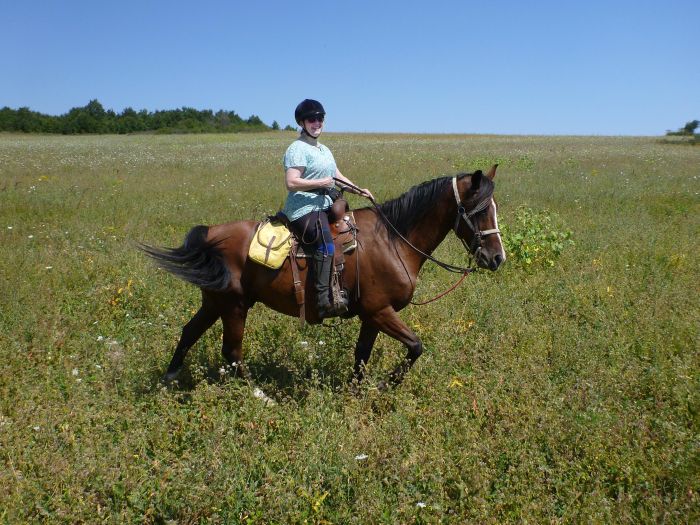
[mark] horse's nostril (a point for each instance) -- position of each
(497, 260)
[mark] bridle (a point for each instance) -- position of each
(475, 247)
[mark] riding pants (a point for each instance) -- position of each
(314, 232)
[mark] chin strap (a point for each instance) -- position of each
(311, 137)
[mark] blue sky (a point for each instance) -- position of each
(581, 68)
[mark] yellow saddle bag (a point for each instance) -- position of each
(271, 244)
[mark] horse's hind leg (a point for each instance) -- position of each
(233, 317)
(191, 332)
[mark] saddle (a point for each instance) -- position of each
(274, 243)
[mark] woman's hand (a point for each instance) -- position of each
(366, 193)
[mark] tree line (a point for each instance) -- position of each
(93, 118)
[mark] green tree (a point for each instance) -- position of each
(690, 127)
(254, 120)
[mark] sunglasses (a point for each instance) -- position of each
(317, 118)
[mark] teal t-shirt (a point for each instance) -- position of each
(318, 163)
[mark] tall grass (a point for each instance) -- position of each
(547, 393)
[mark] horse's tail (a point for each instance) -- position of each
(197, 261)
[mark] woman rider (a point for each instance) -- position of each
(309, 172)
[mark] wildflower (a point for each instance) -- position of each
(99, 337)
(421, 504)
(259, 394)
(49, 267)
(361, 457)
(75, 372)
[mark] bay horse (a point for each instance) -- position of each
(395, 239)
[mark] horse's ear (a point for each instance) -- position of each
(492, 172)
(476, 179)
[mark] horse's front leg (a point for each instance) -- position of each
(389, 322)
(363, 349)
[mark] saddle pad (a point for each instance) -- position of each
(271, 244)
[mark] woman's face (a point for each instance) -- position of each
(314, 125)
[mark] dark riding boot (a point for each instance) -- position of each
(323, 267)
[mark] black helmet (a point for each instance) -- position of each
(308, 108)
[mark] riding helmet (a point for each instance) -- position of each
(308, 108)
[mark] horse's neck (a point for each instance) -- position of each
(429, 233)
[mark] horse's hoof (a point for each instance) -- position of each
(354, 387)
(170, 376)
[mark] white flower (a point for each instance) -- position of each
(304, 343)
(75, 372)
(421, 504)
(361, 457)
(100, 338)
(30, 236)
(321, 343)
(49, 267)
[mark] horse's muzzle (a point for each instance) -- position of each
(491, 263)
(495, 262)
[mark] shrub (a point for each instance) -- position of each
(534, 239)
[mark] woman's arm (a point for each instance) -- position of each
(294, 182)
(364, 191)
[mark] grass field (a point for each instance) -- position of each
(560, 392)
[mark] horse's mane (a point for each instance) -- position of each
(409, 209)
(406, 210)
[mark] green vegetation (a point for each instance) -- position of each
(533, 238)
(93, 118)
(548, 393)
(687, 130)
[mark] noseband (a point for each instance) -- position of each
(475, 247)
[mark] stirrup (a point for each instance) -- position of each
(332, 310)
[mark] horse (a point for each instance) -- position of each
(395, 239)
